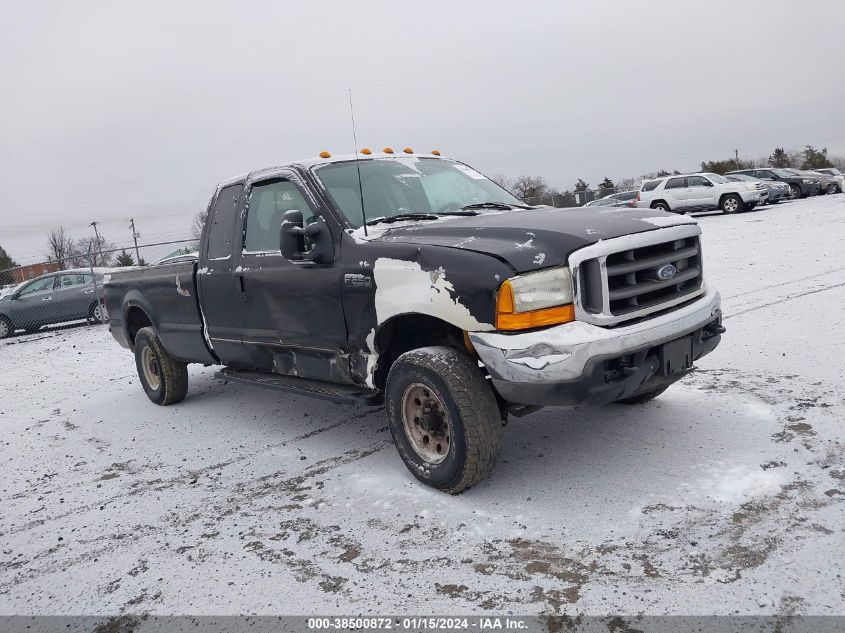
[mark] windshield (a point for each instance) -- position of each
(402, 185)
(743, 177)
(721, 180)
(783, 173)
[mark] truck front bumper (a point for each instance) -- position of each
(580, 364)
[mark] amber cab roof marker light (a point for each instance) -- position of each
(366, 151)
(388, 150)
(325, 154)
(408, 150)
(435, 152)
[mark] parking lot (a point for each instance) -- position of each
(725, 495)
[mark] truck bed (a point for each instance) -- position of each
(165, 295)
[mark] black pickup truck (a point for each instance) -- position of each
(414, 281)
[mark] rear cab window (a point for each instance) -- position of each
(222, 222)
(650, 185)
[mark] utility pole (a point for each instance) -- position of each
(135, 237)
(97, 233)
(736, 158)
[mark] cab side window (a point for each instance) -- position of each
(268, 201)
(39, 285)
(674, 183)
(67, 281)
(222, 222)
(697, 181)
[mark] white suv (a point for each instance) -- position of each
(701, 192)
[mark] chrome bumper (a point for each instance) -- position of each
(561, 353)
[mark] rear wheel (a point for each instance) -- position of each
(444, 418)
(794, 192)
(97, 313)
(6, 327)
(731, 204)
(661, 205)
(164, 380)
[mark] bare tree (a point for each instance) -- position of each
(199, 223)
(505, 182)
(529, 188)
(59, 247)
(627, 184)
(89, 252)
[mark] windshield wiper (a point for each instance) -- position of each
(495, 205)
(387, 219)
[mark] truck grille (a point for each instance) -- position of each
(628, 283)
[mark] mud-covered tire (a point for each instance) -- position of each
(165, 381)
(7, 328)
(731, 203)
(471, 416)
(643, 397)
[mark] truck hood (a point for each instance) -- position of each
(527, 239)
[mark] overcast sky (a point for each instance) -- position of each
(119, 109)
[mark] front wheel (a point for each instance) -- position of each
(164, 380)
(6, 328)
(794, 192)
(731, 204)
(662, 206)
(443, 417)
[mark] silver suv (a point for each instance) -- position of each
(700, 192)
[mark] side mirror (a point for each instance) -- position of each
(292, 239)
(707, 183)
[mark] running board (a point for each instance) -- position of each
(349, 394)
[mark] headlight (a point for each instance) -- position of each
(535, 300)
(807, 181)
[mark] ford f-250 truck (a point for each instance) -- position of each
(413, 280)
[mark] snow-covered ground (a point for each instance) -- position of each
(726, 495)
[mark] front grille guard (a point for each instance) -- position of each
(589, 275)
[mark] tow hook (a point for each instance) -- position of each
(715, 328)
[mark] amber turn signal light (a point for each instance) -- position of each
(508, 319)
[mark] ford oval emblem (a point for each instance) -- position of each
(666, 272)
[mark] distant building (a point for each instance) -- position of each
(33, 270)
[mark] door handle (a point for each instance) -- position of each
(240, 290)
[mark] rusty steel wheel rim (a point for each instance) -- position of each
(149, 363)
(426, 423)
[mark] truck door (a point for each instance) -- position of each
(215, 279)
(700, 193)
(291, 312)
(676, 193)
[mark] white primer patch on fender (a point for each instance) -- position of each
(372, 359)
(403, 287)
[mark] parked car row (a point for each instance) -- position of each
(60, 297)
(739, 190)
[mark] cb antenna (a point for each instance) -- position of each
(357, 162)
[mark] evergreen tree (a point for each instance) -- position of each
(607, 186)
(125, 259)
(814, 158)
(6, 262)
(581, 185)
(779, 158)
